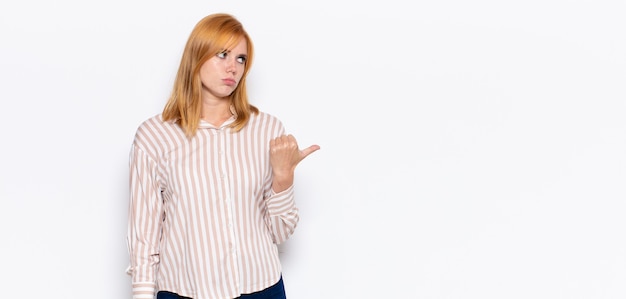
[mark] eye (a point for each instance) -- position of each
(242, 59)
(222, 54)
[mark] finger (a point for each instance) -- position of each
(289, 139)
(283, 139)
(309, 150)
(276, 141)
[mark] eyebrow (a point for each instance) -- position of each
(230, 51)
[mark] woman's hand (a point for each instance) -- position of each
(284, 157)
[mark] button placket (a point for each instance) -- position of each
(232, 248)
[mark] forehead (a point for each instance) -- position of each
(239, 47)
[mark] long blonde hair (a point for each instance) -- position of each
(212, 35)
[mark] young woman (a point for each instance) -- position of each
(211, 180)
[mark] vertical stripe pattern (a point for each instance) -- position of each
(203, 220)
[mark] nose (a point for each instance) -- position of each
(231, 66)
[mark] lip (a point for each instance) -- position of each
(229, 81)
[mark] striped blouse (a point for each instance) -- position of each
(203, 219)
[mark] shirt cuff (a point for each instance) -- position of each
(282, 202)
(144, 290)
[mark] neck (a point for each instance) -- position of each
(216, 113)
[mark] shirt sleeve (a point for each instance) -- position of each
(282, 214)
(144, 223)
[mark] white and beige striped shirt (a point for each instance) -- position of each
(203, 219)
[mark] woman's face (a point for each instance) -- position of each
(221, 74)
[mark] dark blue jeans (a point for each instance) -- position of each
(276, 291)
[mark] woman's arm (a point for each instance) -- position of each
(144, 223)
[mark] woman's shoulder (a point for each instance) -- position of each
(156, 128)
(150, 124)
(267, 122)
(155, 123)
(264, 116)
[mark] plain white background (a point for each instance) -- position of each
(470, 149)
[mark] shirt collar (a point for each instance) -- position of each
(207, 125)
